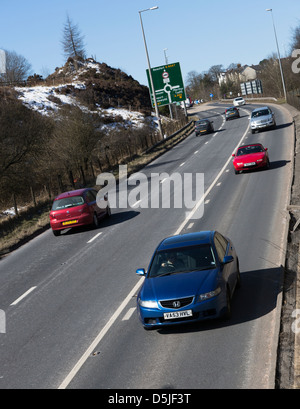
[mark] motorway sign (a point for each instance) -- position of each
(167, 83)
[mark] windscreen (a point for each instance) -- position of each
(182, 260)
(67, 202)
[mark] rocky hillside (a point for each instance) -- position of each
(87, 84)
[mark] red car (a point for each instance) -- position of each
(77, 208)
(248, 157)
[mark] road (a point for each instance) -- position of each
(69, 301)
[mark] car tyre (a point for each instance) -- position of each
(253, 131)
(227, 313)
(56, 233)
(95, 221)
(108, 211)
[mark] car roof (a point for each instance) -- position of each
(71, 193)
(260, 109)
(250, 144)
(188, 239)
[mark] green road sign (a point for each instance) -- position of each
(168, 84)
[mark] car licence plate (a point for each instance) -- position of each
(250, 164)
(178, 314)
(70, 222)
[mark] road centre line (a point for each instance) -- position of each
(99, 337)
(23, 296)
(94, 238)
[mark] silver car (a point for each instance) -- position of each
(262, 118)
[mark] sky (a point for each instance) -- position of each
(196, 33)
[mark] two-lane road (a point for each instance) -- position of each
(70, 301)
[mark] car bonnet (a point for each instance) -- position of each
(179, 285)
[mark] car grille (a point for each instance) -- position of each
(176, 303)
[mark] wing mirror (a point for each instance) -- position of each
(141, 272)
(228, 259)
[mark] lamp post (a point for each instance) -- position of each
(150, 73)
(279, 60)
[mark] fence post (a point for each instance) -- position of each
(33, 196)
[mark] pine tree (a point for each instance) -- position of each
(72, 41)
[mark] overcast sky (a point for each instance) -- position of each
(196, 33)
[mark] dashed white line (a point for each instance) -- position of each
(128, 314)
(23, 296)
(94, 238)
(190, 225)
(136, 203)
(182, 164)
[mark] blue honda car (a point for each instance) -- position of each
(191, 277)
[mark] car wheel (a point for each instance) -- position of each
(227, 314)
(108, 211)
(238, 278)
(252, 131)
(95, 221)
(237, 171)
(268, 164)
(56, 233)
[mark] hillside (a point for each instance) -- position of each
(91, 86)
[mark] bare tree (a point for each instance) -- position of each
(17, 68)
(72, 41)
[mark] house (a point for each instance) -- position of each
(240, 74)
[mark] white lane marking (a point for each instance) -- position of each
(99, 337)
(23, 296)
(190, 225)
(196, 152)
(219, 184)
(95, 237)
(128, 314)
(191, 214)
(207, 201)
(136, 203)
(182, 164)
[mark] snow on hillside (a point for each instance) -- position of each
(47, 100)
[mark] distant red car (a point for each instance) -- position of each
(248, 157)
(77, 208)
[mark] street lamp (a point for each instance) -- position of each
(150, 73)
(279, 60)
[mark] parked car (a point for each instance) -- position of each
(231, 113)
(262, 118)
(191, 277)
(248, 157)
(77, 208)
(239, 101)
(203, 126)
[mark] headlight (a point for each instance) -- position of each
(148, 304)
(211, 294)
(240, 163)
(259, 160)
